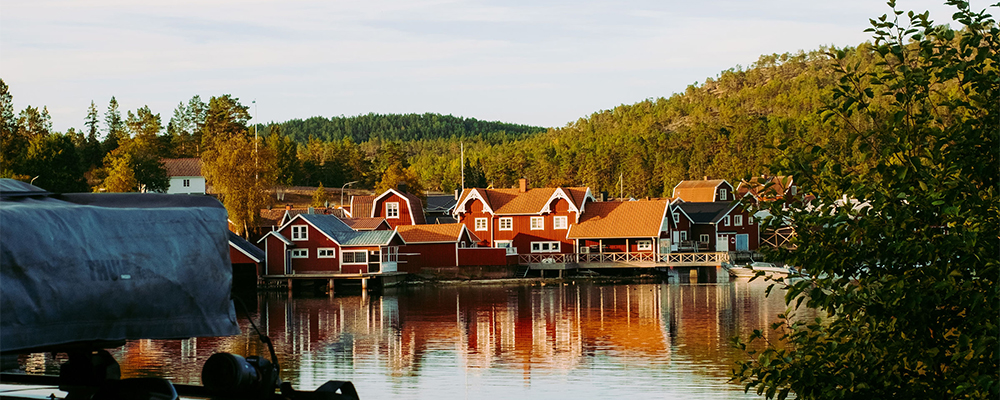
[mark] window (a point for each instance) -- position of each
(703, 239)
(644, 245)
(545, 247)
(723, 195)
(354, 257)
(738, 220)
(684, 235)
(300, 232)
(187, 183)
(725, 221)
(795, 190)
(560, 222)
(537, 223)
(506, 244)
(677, 218)
(506, 224)
(392, 210)
(481, 224)
(326, 252)
(300, 253)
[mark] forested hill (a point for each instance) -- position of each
(402, 127)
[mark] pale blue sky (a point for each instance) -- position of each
(543, 63)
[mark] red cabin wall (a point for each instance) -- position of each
(359, 268)
(316, 240)
(750, 227)
(432, 255)
(481, 256)
(405, 218)
(237, 257)
(275, 250)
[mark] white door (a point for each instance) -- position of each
(675, 241)
(742, 242)
(721, 243)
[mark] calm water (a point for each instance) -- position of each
(582, 340)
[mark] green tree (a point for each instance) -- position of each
(114, 126)
(286, 156)
(902, 240)
(320, 197)
(225, 117)
(120, 174)
(395, 175)
(91, 153)
(54, 161)
(12, 144)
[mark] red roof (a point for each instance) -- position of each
(182, 166)
(361, 206)
(365, 223)
(437, 233)
(515, 202)
(620, 219)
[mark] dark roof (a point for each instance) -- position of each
(335, 228)
(246, 247)
(707, 212)
(440, 204)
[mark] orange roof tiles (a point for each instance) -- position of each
(697, 191)
(182, 166)
(625, 219)
(439, 233)
(364, 223)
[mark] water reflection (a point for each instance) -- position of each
(456, 342)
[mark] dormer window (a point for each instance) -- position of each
(392, 210)
(723, 196)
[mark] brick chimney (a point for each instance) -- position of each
(523, 184)
(402, 187)
(704, 177)
(288, 207)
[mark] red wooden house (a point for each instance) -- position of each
(247, 261)
(525, 221)
(320, 243)
(396, 207)
(704, 191)
(718, 226)
(633, 227)
(443, 246)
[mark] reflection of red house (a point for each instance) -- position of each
(524, 220)
(320, 243)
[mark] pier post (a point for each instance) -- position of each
(329, 287)
(289, 286)
(364, 283)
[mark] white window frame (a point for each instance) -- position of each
(300, 253)
(641, 245)
(506, 224)
(677, 217)
(684, 235)
(300, 232)
(506, 244)
(795, 190)
(704, 238)
(537, 223)
(723, 194)
(344, 258)
(560, 222)
(546, 247)
(482, 224)
(725, 220)
(738, 220)
(392, 210)
(326, 252)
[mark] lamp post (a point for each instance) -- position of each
(342, 191)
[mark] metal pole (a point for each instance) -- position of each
(463, 167)
(342, 192)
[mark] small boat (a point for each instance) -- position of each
(739, 271)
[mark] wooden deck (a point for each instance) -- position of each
(287, 281)
(561, 261)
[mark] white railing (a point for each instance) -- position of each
(713, 258)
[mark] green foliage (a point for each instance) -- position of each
(395, 175)
(902, 240)
(401, 127)
(320, 197)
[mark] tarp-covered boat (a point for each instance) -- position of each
(89, 268)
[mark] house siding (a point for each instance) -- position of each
(405, 215)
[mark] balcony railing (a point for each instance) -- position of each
(679, 259)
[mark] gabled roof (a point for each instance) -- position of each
(338, 231)
(415, 206)
(361, 206)
(365, 223)
(620, 219)
(697, 191)
(248, 249)
(440, 233)
(532, 201)
(182, 166)
(707, 212)
(766, 188)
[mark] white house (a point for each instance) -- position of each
(185, 175)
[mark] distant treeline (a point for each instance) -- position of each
(400, 127)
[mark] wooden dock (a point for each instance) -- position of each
(329, 280)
